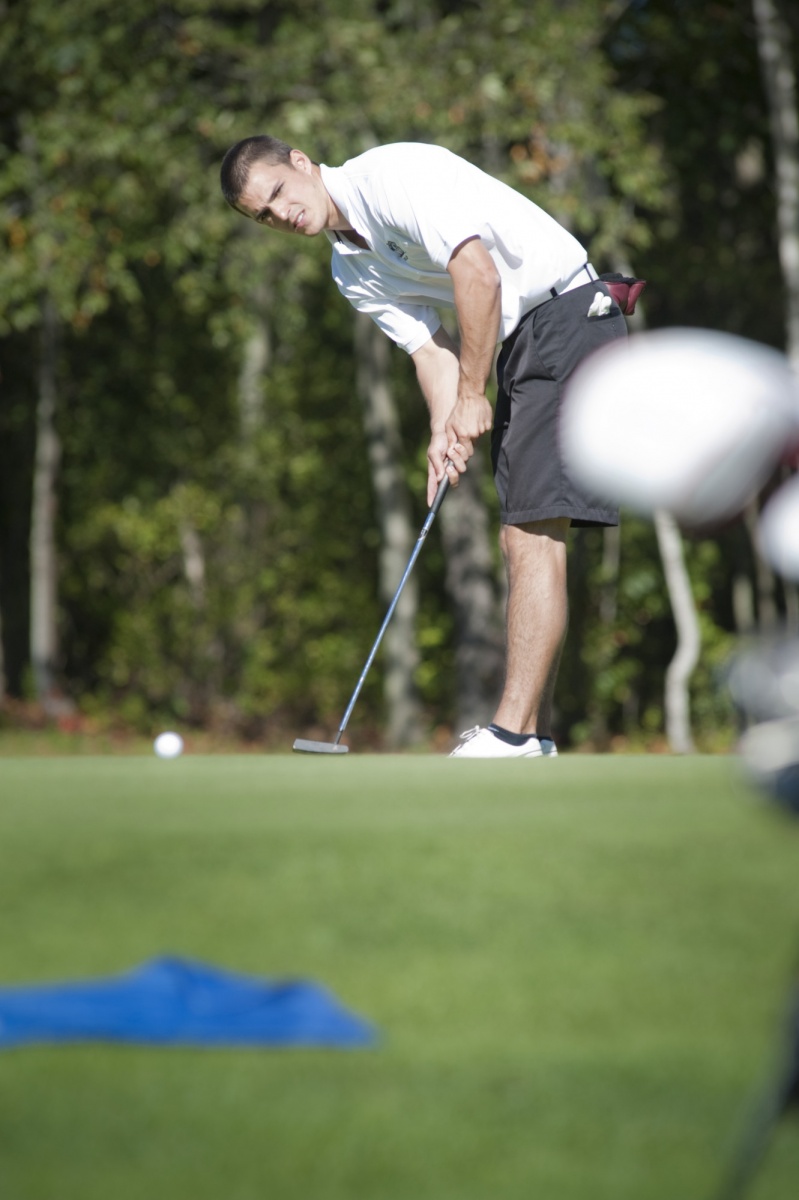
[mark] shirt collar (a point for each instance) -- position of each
(335, 181)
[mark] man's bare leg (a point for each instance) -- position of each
(535, 556)
(547, 700)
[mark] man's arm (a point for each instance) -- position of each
(478, 303)
(454, 384)
(437, 371)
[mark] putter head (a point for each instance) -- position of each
(306, 747)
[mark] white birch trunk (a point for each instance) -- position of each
(676, 692)
(193, 563)
(680, 669)
(44, 571)
(400, 654)
(779, 81)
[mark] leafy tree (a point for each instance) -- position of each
(713, 263)
(220, 566)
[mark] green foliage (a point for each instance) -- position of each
(716, 264)
(622, 638)
(273, 626)
(618, 119)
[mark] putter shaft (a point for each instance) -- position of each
(443, 487)
(334, 747)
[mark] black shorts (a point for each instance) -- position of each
(534, 364)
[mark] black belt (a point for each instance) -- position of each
(576, 280)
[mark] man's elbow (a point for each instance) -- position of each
(439, 347)
(487, 274)
(472, 260)
(493, 278)
(487, 284)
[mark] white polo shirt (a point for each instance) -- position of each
(415, 204)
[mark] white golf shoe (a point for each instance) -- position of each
(482, 743)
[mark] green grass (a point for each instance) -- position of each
(577, 969)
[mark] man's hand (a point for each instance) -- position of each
(470, 419)
(443, 460)
(450, 450)
(436, 465)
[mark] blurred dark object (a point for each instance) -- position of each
(625, 290)
(770, 752)
(764, 682)
(790, 455)
(780, 1094)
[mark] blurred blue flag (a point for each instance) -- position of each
(173, 1001)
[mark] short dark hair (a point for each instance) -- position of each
(239, 159)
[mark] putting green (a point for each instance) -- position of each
(576, 967)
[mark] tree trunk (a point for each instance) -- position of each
(256, 358)
(743, 604)
(678, 674)
(779, 83)
(193, 563)
(401, 656)
(470, 579)
(44, 571)
(2, 664)
(676, 694)
(765, 580)
(611, 563)
(2, 653)
(607, 611)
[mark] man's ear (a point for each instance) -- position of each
(300, 161)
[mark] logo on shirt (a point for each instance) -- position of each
(395, 249)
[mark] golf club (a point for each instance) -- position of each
(310, 747)
(780, 1094)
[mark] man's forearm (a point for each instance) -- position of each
(478, 303)
(437, 372)
(453, 382)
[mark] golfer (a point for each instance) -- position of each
(414, 228)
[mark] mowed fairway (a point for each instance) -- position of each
(576, 968)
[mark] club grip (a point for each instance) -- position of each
(443, 488)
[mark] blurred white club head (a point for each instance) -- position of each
(763, 679)
(770, 753)
(687, 420)
(779, 530)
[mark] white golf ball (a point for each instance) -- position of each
(168, 745)
(687, 420)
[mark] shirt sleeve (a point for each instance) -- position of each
(409, 325)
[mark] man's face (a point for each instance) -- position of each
(290, 198)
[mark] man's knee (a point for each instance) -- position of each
(537, 537)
